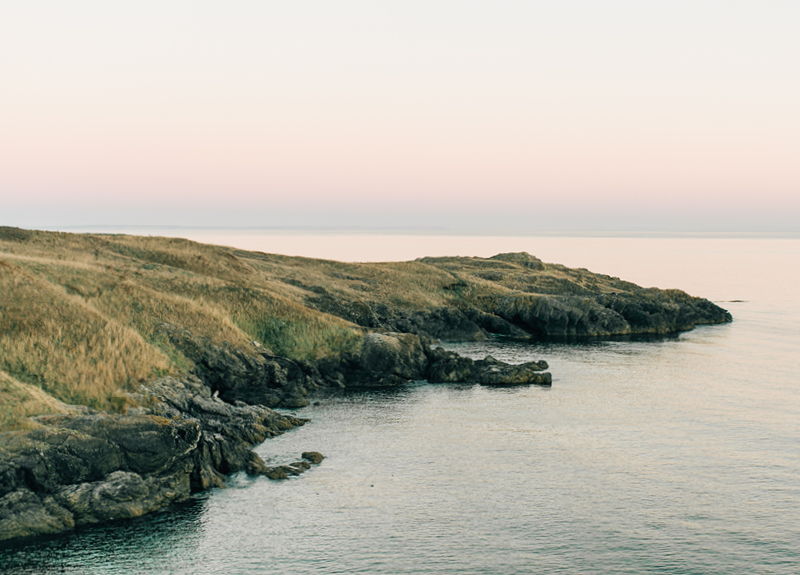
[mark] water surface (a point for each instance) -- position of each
(678, 455)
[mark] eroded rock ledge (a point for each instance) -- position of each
(92, 466)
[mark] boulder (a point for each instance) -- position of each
(146, 443)
(314, 457)
(393, 354)
(493, 372)
(449, 367)
(123, 495)
(24, 513)
(257, 466)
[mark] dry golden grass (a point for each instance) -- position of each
(61, 343)
(79, 313)
(19, 401)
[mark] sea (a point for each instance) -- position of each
(676, 455)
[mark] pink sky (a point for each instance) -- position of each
(670, 116)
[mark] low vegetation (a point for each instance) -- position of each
(80, 313)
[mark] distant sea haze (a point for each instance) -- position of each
(672, 455)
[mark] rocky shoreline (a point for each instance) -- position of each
(544, 301)
(185, 349)
(186, 434)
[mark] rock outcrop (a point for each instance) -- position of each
(643, 311)
(449, 367)
(525, 316)
(259, 378)
(81, 469)
(385, 359)
(518, 295)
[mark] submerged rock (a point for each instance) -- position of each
(257, 466)
(314, 457)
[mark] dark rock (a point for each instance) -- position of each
(122, 495)
(313, 456)
(644, 311)
(258, 467)
(89, 468)
(276, 473)
(544, 300)
(24, 513)
(449, 367)
(298, 467)
(51, 457)
(12, 477)
(493, 372)
(294, 401)
(444, 323)
(495, 324)
(394, 354)
(147, 444)
(259, 379)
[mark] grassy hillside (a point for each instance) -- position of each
(79, 313)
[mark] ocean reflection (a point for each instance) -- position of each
(142, 545)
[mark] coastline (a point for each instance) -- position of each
(183, 432)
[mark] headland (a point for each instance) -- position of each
(136, 371)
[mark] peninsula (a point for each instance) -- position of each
(135, 371)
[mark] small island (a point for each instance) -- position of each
(135, 371)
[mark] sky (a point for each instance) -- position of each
(464, 115)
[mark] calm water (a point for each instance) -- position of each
(674, 456)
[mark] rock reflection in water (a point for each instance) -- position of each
(143, 545)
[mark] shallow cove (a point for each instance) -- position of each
(680, 455)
